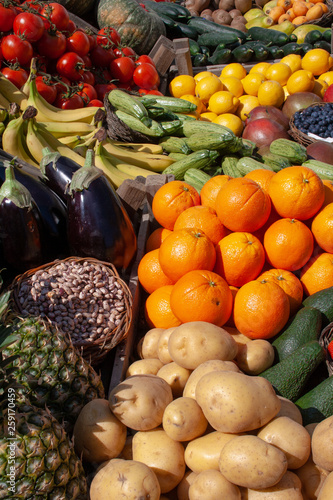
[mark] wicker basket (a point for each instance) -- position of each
(325, 338)
(299, 136)
(95, 348)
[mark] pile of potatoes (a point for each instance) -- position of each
(226, 12)
(193, 420)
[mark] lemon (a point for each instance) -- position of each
(300, 81)
(181, 85)
(206, 87)
(294, 61)
(260, 67)
(233, 122)
(195, 100)
(223, 102)
(286, 93)
(318, 61)
(208, 116)
(271, 93)
(327, 77)
(233, 85)
(280, 72)
(234, 69)
(252, 82)
(319, 87)
(246, 104)
(201, 75)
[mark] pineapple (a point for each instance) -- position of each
(39, 462)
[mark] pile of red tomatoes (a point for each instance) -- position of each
(75, 67)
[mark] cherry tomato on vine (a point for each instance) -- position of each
(7, 16)
(87, 61)
(125, 51)
(68, 101)
(145, 59)
(101, 57)
(52, 44)
(46, 89)
(71, 27)
(15, 49)
(87, 92)
(29, 25)
(95, 102)
(32, 4)
(122, 69)
(57, 14)
(88, 77)
(145, 76)
(104, 88)
(78, 42)
(108, 35)
(17, 76)
(61, 83)
(92, 41)
(71, 65)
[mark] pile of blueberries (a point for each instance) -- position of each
(317, 120)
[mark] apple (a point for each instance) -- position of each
(328, 96)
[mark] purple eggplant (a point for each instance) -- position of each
(98, 224)
(21, 229)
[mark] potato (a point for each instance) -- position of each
(126, 452)
(125, 479)
(162, 346)
(190, 344)
(326, 491)
(184, 485)
(149, 366)
(147, 346)
(98, 434)
(288, 488)
(139, 401)
(162, 454)
(255, 357)
(251, 462)
(290, 437)
(289, 409)
(211, 365)
(183, 419)
(236, 335)
(312, 478)
(322, 444)
(311, 427)
(176, 376)
(210, 485)
(204, 452)
(235, 402)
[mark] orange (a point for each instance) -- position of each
(328, 186)
(230, 321)
(201, 295)
(239, 258)
(296, 192)
(182, 85)
(289, 283)
(171, 199)
(242, 205)
(210, 189)
(150, 273)
(317, 274)
(261, 176)
(261, 309)
(203, 218)
(158, 312)
(185, 250)
(273, 216)
(288, 244)
(155, 239)
(322, 228)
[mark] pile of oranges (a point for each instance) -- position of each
(297, 11)
(242, 253)
(228, 98)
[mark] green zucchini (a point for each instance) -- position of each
(242, 54)
(171, 127)
(247, 148)
(203, 25)
(205, 128)
(324, 170)
(275, 161)
(275, 37)
(171, 26)
(212, 39)
(229, 166)
(216, 141)
(317, 404)
(196, 178)
(125, 102)
(188, 31)
(177, 156)
(173, 10)
(155, 130)
(197, 159)
(155, 111)
(246, 165)
(295, 152)
(173, 104)
(173, 144)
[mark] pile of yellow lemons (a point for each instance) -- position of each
(228, 98)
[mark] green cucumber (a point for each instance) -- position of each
(304, 326)
(220, 56)
(289, 376)
(212, 39)
(322, 44)
(203, 25)
(275, 51)
(242, 54)
(171, 27)
(323, 301)
(200, 60)
(275, 37)
(173, 10)
(194, 47)
(197, 159)
(173, 104)
(188, 31)
(313, 36)
(125, 102)
(260, 50)
(317, 404)
(327, 35)
(292, 48)
(305, 47)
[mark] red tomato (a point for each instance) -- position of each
(7, 16)
(78, 42)
(57, 14)
(17, 76)
(87, 61)
(104, 88)
(102, 75)
(71, 27)
(125, 51)
(71, 65)
(61, 83)
(68, 101)
(108, 36)
(88, 77)
(95, 102)
(145, 76)
(122, 69)
(32, 4)
(101, 57)
(154, 92)
(92, 41)
(29, 25)
(145, 59)
(15, 49)
(87, 92)
(52, 44)
(46, 88)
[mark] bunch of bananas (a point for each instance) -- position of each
(40, 125)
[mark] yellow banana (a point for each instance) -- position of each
(11, 92)
(140, 146)
(115, 176)
(13, 141)
(61, 129)
(127, 168)
(155, 163)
